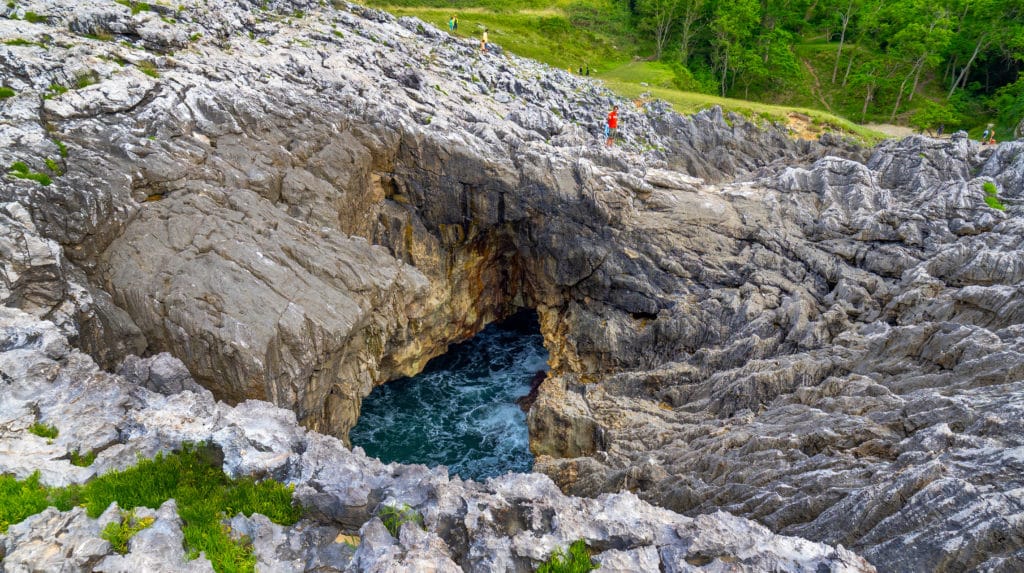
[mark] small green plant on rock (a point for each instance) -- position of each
(22, 498)
(21, 171)
(135, 7)
(43, 430)
(205, 495)
(149, 68)
(53, 166)
(55, 90)
(6, 92)
(82, 461)
(991, 196)
(35, 18)
(100, 35)
(576, 560)
(119, 532)
(86, 79)
(21, 42)
(393, 516)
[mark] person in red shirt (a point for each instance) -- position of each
(612, 126)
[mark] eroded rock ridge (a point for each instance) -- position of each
(301, 202)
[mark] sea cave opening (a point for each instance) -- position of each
(462, 410)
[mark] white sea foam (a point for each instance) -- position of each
(460, 412)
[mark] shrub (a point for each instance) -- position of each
(394, 516)
(63, 149)
(119, 532)
(35, 18)
(6, 92)
(42, 430)
(576, 560)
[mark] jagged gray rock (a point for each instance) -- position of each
(819, 338)
(509, 523)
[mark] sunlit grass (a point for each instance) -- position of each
(204, 494)
(544, 31)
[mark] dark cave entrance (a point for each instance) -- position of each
(461, 411)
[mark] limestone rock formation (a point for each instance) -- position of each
(507, 524)
(302, 202)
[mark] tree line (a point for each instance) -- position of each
(926, 62)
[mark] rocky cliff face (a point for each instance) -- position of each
(300, 202)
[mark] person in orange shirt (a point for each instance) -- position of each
(611, 126)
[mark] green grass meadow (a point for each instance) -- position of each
(570, 35)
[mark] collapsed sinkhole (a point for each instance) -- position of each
(462, 410)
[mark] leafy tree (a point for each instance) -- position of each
(692, 12)
(733, 25)
(931, 115)
(658, 17)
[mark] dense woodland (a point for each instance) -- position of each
(923, 63)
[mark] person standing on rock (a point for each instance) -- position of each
(483, 41)
(611, 126)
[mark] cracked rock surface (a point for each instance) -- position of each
(303, 202)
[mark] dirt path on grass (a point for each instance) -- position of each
(890, 129)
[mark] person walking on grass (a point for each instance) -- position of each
(611, 126)
(451, 24)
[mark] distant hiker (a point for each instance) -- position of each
(451, 24)
(483, 41)
(611, 126)
(580, 70)
(942, 127)
(588, 70)
(455, 23)
(989, 132)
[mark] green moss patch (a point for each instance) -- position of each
(204, 494)
(20, 170)
(35, 18)
(991, 196)
(82, 460)
(149, 68)
(576, 560)
(119, 532)
(43, 430)
(135, 7)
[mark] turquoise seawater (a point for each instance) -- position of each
(460, 411)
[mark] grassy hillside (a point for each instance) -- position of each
(597, 35)
(902, 61)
